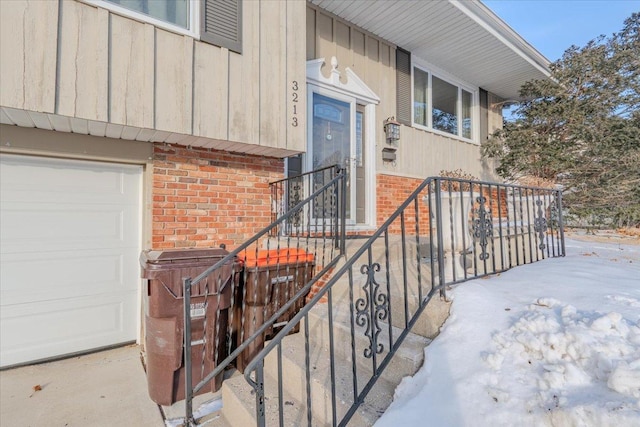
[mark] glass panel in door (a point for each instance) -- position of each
(332, 143)
(360, 168)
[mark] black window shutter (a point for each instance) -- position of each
(221, 23)
(403, 86)
(484, 115)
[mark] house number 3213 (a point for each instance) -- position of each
(294, 101)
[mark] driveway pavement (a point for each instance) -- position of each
(107, 388)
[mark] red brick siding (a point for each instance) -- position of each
(203, 198)
(392, 191)
(319, 285)
(492, 198)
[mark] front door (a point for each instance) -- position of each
(333, 140)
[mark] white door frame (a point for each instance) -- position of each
(354, 91)
(312, 89)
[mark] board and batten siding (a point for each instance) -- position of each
(420, 153)
(74, 59)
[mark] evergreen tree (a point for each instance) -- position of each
(581, 129)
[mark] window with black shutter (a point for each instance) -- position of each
(221, 23)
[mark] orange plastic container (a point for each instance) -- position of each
(274, 257)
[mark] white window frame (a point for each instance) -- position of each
(442, 75)
(194, 17)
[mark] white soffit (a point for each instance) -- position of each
(463, 38)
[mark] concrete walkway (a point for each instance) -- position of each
(108, 388)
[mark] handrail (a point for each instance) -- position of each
(335, 167)
(510, 225)
(263, 232)
(335, 187)
(337, 276)
(286, 192)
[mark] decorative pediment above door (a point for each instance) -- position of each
(352, 87)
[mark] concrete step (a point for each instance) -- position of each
(214, 420)
(239, 398)
(294, 383)
(239, 408)
(417, 274)
(407, 360)
(418, 285)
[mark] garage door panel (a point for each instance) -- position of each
(69, 251)
(95, 273)
(67, 181)
(43, 227)
(39, 330)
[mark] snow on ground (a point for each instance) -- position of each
(554, 343)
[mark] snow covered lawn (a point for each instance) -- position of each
(555, 343)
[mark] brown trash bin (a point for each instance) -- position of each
(164, 318)
(271, 278)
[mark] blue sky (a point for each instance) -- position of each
(551, 26)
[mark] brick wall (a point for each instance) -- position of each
(392, 191)
(493, 197)
(203, 198)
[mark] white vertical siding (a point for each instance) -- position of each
(100, 66)
(270, 99)
(131, 71)
(83, 62)
(206, 121)
(245, 79)
(174, 59)
(28, 80)
(296, 71)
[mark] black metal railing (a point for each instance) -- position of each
(287, 193)
(256, 288)
(448, 231)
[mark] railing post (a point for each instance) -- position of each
(343, 212)
(260, 412)
(188, 380)
(560, 222)
(336, 219)
(274, 202)
(440, 238)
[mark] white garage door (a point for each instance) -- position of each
(69, 246)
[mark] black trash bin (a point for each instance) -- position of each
(164, 318)
(270, 279)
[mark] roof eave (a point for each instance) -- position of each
(500, 29)
(491, 56)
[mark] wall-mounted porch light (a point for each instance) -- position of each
(392, 129)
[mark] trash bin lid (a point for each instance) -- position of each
(275, 257)
(179, 255)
